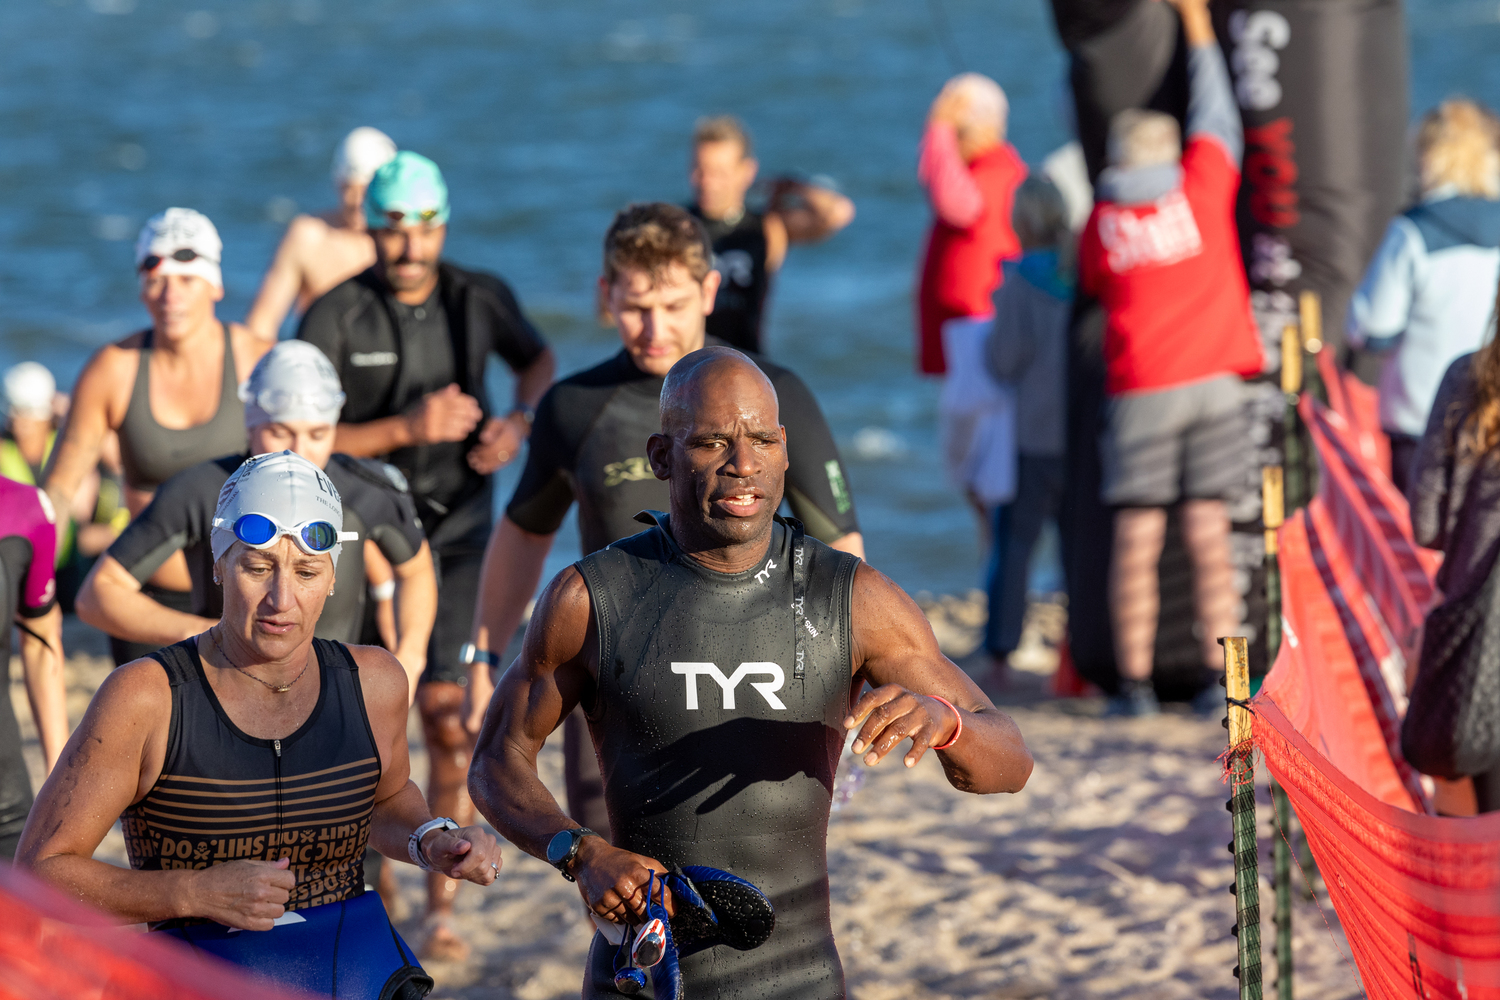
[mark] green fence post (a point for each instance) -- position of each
(1242, 810)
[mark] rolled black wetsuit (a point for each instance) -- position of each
(740, 258)
(718, 717)
(180, 517)
(589, 445)
(389, 355)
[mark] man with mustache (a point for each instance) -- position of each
(410, 338)
(716, 654)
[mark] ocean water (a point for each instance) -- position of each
(546, 118)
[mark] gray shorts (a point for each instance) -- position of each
(1188, 442)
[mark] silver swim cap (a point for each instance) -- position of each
(180, 241)
(293, 381)
(294, 495)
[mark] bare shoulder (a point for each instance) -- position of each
(562, 621)
(875, 594)
(137, 693)
(381, 676)
(886, 621)
(306, 231)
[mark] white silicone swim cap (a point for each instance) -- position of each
(363, 151)
(184, 233)
(283, 486)
(29, 390)
(294, 381)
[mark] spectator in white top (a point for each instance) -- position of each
(1429, 294)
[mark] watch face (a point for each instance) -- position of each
(559, 846)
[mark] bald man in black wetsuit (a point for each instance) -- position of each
(588, 445)
(716, 653)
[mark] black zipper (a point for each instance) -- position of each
(280, 833)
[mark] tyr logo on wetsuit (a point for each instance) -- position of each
(767, 689)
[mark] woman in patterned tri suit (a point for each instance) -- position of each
(251, 764)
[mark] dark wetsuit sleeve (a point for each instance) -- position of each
(545, 492)
(391, 519)
(817, 487)
(511, 334)
(167, 525)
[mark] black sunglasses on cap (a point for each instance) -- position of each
(152, 261)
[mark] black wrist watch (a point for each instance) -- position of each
(469, 653)
(563, 848)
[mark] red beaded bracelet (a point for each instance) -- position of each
(957, 715)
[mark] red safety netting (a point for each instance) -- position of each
(53, 949)
(1418, 895)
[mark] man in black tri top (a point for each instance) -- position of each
(750, 247)
(589, 445)
(292, 402)
(410, 338)
(716, 654)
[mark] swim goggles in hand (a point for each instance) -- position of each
(261, 531)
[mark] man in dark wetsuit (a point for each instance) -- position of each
(589, 445)
(28, 595)
(716, 654)
(410, 338)
(750, 247)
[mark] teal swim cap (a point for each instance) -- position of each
(409, 190)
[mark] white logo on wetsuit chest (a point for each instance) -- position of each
(373, 359)
(767, 689)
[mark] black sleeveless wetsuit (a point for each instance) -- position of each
(740, 257)
(223, 795)
(718, 721)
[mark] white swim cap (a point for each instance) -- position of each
(294, 381)
(181, 241)
(287, 489)
(363, 151)
(29, 390)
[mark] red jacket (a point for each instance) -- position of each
(961, 269)
(1169, 276)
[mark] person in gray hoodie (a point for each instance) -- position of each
(1027, 349)
(1428, 296)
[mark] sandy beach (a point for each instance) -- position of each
(1107, 877)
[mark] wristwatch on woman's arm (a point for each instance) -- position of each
(414, 842)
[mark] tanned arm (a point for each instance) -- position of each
(897, 654)
(112, 760)
(416, 610)
(513, 563)
(558, 662)
(282, 284)
(42, 663)
(99, 400)
(466, 853)
(111, 600)
(803, 213)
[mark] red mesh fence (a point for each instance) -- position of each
(1418, 894)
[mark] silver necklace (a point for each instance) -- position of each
(278, 688)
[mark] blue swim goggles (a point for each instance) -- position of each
(261, 531)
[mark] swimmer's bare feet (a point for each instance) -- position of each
(441, 944)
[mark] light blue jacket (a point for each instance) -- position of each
(1429, 294)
